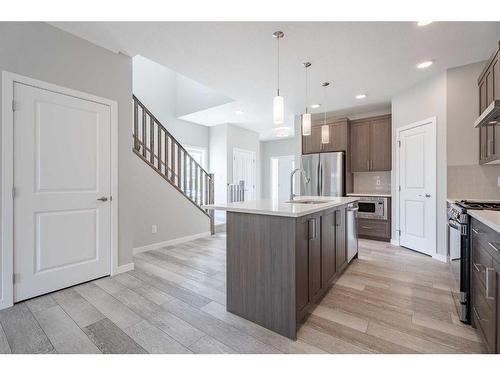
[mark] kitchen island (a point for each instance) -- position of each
(283, 257)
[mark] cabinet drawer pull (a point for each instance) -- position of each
(312, 229)
(493, 246)
(488, 280)
(366, 227)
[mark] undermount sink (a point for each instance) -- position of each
(307, 201)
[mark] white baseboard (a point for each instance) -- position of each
(441, 257)
(159, 245)
(394, 242)
(123, 268)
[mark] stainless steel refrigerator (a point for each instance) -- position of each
(327, 174)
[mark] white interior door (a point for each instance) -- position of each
(62, 166)
(281, 167)
(417, 180)
(244, 169)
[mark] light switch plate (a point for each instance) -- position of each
(154, 228)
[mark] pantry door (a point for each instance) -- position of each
(417, 186)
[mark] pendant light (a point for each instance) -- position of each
(278, 102)
(306, 117)
(325, 129)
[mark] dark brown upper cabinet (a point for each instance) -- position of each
(370, 141)
(339, 137)
(489, 90)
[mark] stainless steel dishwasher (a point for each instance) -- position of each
(352, 230)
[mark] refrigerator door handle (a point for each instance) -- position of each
(320, 175)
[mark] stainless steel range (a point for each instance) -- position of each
(459, 223)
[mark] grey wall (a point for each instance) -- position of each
(155, 201)
(425, 100)
(40, 51)
(269, 149)
(466, 178)
(155, 86)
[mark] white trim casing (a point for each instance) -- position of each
(7, 209)
(159, 245)
(433, 121)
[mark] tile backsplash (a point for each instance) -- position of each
(473, 182)
(368, 182)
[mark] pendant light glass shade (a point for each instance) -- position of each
(306, 124)
(278, 110)
(325, 134)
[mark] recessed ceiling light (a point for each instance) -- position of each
(425, 64)
(315, 106)
(361, 96)
(424, 23)
(239, 112)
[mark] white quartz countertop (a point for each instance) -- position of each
(273, 207)
(489, 218)
(372, 194)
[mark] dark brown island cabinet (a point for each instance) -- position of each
(489, 97)
(279, 267)
(370, 144)
(485, 283)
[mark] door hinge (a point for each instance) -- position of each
(13, 192)
(399, 143)
(14, 106)
(399, 232)
(399, 187)
(16, 278)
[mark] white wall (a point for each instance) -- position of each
(425, 100)
(155, 86)
(191, 96)
(42, 52)
(268, 150)
(156, 202)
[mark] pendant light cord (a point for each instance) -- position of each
(278, 66)
(324, 120)
(306, 89)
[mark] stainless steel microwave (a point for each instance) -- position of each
(372, 208)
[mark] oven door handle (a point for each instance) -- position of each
(460, 227)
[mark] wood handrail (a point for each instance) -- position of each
(143, 107)
(156, 146)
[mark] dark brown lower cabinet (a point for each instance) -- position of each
(278, 268)
(485, 285)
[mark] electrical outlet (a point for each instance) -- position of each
(498, 182)
(378, 182)
(154, 228)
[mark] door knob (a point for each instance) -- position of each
(103, 199)
(425, 195)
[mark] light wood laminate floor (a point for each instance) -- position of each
(390, 300)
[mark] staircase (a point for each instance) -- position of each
(162, 152)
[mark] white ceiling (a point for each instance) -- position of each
(238, 59)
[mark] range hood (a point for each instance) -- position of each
(490, 115)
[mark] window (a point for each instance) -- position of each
(199, 154)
